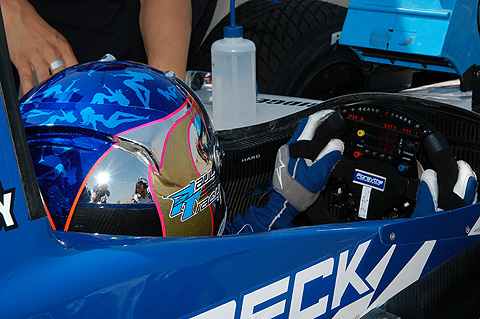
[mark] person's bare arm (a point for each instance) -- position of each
(166, 27)
(32, 43)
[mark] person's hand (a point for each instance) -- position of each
(34, 46)
(298, 179)
(427, 194)
(302, 167)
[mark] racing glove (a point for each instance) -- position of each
(303, 166)
(427, 194)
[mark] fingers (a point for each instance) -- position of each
(334, 145)
(44, 64)
(55, 57)
(313, 122)
(33, 44)
(314, 175)
(429, 178)
(427, 195)
(466, 186)
(311, 136)
(25, 75)
(40, 67)
(68, 57)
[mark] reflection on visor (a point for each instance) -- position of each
(116, 198)
(115, 179)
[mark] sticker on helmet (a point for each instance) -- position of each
(187, 201)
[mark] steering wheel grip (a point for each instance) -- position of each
(444, 163)
(331, 128)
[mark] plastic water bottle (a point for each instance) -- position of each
(233, 78)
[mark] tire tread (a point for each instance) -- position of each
(276, 30)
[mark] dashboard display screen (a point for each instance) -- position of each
(383, 140)
(383, 129)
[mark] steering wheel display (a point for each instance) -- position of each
(386, 134)
(386, 150)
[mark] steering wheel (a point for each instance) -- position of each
(386, 149)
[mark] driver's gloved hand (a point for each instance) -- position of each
(297, 181)
(427, 194)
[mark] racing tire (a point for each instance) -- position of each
(297, 48)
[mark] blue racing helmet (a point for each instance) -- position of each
(123, 149)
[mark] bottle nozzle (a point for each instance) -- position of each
(233, 30)
(232, 13)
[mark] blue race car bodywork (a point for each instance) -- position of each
(338, 270)
(325, 271)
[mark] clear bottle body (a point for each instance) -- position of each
(233, 83)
